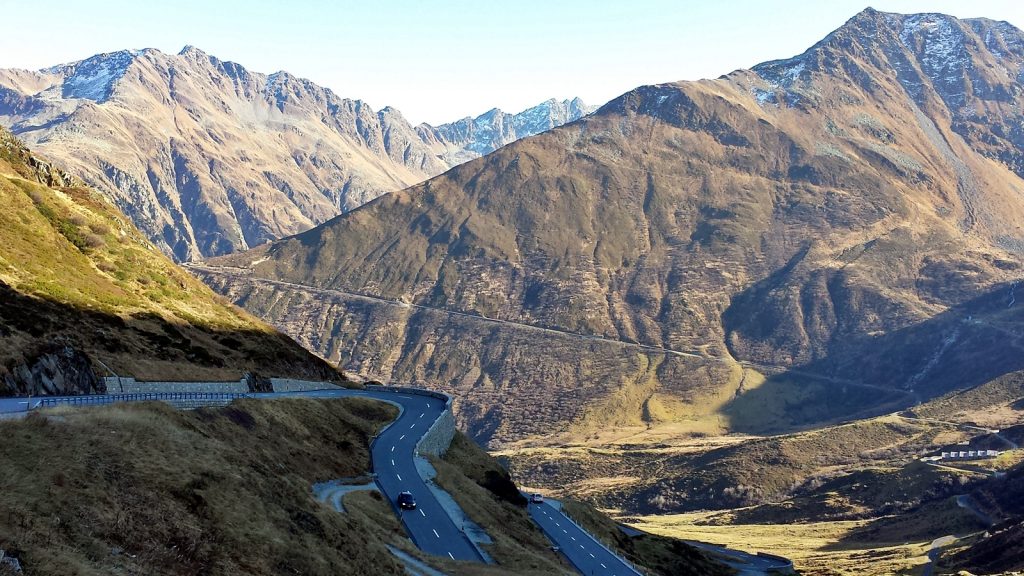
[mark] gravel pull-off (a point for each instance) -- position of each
(333, 491)
(414, 567)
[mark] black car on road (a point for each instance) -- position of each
(406, 501)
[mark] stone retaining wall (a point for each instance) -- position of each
(439, 437)
(123, 385)
(289, 385)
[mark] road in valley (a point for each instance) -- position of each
(585, 553)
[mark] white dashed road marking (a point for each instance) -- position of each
(399, 477)
(422, 513)
(403, 437)
(435, 533)
(450, 556)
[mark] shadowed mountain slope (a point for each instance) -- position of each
(79, 283)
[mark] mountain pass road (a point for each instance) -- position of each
(393, 454)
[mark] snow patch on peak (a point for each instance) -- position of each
(793, 72)
(94, 78)
(779, 75)
(941, 42)
(940, 46)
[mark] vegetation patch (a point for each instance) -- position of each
(145, 489)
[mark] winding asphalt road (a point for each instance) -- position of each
(584, 552)
(393, 454)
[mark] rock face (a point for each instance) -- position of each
(56, 370)
(808, 240)
(207, 157)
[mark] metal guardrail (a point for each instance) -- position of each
(102, 399)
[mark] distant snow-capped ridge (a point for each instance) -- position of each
(471, 137)
(208, 158)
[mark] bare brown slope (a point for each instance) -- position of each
(145, 489)
(801, 214)
(74, 272)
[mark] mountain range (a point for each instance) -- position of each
(813, 239)
(207, 157)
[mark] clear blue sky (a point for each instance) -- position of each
(441, 60)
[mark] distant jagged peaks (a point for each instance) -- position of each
(224, 159)
(496, 128)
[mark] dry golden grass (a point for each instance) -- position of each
(73, 268)
(816, 549)
(144, 489)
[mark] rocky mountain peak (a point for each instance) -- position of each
(496, 128)
(928, 53)
(95, 77)
(192, 52)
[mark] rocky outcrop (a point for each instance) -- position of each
(257, 383)
(56, 370)
(42, 171)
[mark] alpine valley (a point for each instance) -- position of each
(809, 240)
(624, 306)
(778, 312)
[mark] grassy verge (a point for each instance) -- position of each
(74, 269)
(487, 495)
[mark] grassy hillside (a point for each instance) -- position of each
(995, 404)
(145, 489)
(74, 270)
(638, 478)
